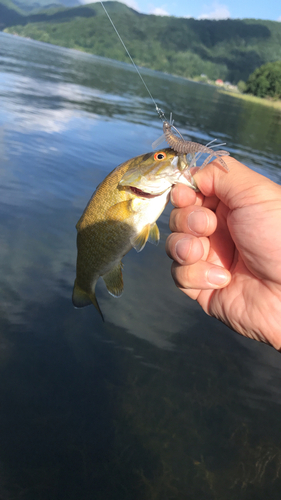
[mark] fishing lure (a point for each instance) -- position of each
(178, 144)
(182, 146)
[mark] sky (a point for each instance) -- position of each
(204, 9)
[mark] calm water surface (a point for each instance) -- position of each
(159, 402)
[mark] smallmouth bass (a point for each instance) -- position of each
(122, 214)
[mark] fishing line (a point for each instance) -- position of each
(158, 110)
(179, 144)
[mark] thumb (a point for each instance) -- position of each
(238, 187)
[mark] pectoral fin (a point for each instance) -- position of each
(120, 211)
(114, 280)
(154, 234)
(140, 241)
(80, 298)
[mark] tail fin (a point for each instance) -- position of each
(83, 299)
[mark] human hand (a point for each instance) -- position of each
(226, 247)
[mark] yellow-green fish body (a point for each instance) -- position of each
(122, 214)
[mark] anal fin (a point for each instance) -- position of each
(114, 280)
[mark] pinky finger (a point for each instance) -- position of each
(200, 276)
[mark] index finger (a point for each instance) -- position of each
(184, 196)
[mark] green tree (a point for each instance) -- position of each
(266, 81)
(242, 87)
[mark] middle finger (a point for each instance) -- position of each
(199, 221)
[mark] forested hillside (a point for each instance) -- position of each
(8, 9)
(228, 49)
(32, 5)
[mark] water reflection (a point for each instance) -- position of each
(161, 401)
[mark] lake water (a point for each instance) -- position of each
(160, 402)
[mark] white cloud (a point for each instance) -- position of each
(130, 3)
(279, 19)
(215, 11)
(158, 11)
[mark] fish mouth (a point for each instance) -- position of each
(143, 194)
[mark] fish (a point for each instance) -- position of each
(122, 214)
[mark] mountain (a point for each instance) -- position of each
(9, 14)
(28, 6)
(229, 49)
(31, 5)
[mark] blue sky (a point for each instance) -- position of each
(205, 9)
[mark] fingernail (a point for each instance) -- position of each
(217, 276)
(182, 248)
(197, 221)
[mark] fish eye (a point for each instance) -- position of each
(160, 156)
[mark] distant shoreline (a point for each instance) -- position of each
(252, 98)
(222, 89)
